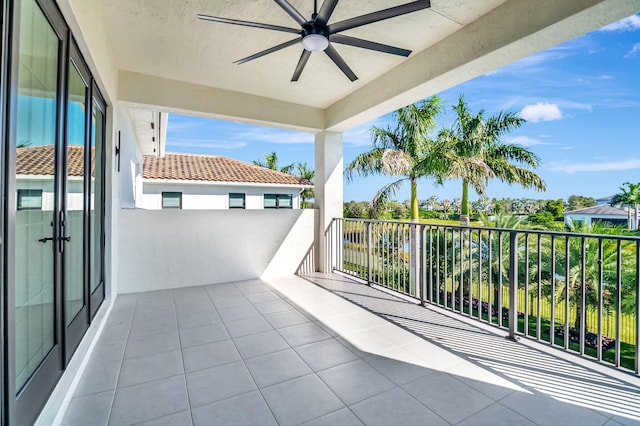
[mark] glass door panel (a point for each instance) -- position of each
(74, 220)
(97, 196)
(35, 153)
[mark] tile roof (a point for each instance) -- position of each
(603, 209)
(39, 160)
(192, 167)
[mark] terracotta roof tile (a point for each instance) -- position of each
(39, 160)
(214, 169)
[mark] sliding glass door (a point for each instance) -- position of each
(55, 220)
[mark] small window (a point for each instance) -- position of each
(172, 200)
(236, 201)
(278, 201)
(29, 199)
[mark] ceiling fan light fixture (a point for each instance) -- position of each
(315, 42)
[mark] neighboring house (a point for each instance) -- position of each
(34, 177)
(603, 213)
(201, 182)
(604, 200)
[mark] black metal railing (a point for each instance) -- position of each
(575, 291)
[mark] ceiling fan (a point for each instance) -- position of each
(318, 34)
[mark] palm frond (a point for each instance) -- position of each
(383, 196)
(365, 164)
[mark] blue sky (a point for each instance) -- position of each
(581, 100)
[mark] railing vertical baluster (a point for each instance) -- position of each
(453, 269)
(461, 273)
(445, 295)
(513, 284)
(526, 285)
(618, 300)
(438, 265)
(479, 300)
(500, 283)
(552, 326)
(539, 284)
(430, 263)
(600, 299)
(469, 292)
(567, 290)
(490, 277)
(637, 319)
(583, 295)
(422, 268)
(369, 253)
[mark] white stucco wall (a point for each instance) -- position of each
(160, 249)
(201, 196)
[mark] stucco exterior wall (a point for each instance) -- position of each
(161, 249)
(197, 196)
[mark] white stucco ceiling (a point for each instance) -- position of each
(171, 60)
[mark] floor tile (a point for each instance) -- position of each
(273, 306)
(204, 334)
(222, 290)
(98, 377)
(198, 319)
(400, 371)
(303, 334)
(135, 404)
(230, 302)
(542, 409)
(395, 407)
(299, 400)
(244, 410)
(263, 296)
(209, 355)
(277, 367)
(260, 344)
(239, 312)
(246, 326)
(150, 367)
(496, 415)
(325, 354)
(152, 343)
(286, 318)
(447, 396)
(217, 383)
(154, 325)
(343, 417)
(355, 381)
(89, 410)
(183, 418)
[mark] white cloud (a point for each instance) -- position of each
(274, 136)
(598, 167)
(525, 141)
(541, 112)
(635, 49)
(632, 23)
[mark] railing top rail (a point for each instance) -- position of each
(488, 228)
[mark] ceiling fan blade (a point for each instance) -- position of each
(292, 11)
(366, 44)
(301, 63)
(326, 10)
(267, 51)
(380, 15)
(337, 59)
(249, 24)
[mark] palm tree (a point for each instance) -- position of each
(271, 162)
(476, 154)
(403, 151)
(629, 196)
(305, 172)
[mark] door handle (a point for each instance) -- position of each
(66, 238)
(44, 240)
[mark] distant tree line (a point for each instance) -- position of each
(538, 211)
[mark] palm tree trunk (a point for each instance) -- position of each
(464, 208)
(415, 217)
(635, 214)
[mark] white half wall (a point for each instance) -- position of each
(162, 249)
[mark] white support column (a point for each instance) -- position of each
(328, 188)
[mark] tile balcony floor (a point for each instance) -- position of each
(291, 352)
